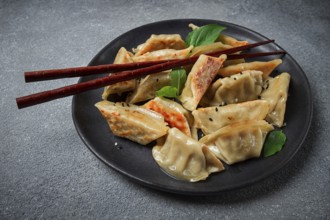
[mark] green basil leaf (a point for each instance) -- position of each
(168, 91)
(178, 79)
(204, 35)
(274, 143)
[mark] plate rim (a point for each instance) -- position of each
(164, 186)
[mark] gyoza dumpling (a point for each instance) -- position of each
(276, 93)
(133, 122)
(242, 87)
(209, 48)
(164, 54)
(199, 79)
(147, 87)
(122, 57)
(238, 142)
(225, 39)
(265, 67)
(211, 119)
(159, 42)
(231, 41)
(175, 115)
(185, 158)
(233, 62)
(193, 26)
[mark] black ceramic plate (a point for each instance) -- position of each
(136, 162)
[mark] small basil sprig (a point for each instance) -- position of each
(204, 35)
(274, 143)
(178, 79)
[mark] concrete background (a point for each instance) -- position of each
(47, 172)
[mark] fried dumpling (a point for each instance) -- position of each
(265, 67)
(164, 54)
(231, 41)
(133, 122)
(122, 57)
(225, 39)
(185, 158)
(238, 142)
(193, 26)
(276, 93)
(211, 119)
(233, 62)
(242, 87)
(147, 87)
(199, 79)
(159, 42)
(175, 115)
(209, 48)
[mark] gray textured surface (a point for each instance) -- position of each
(47, 172)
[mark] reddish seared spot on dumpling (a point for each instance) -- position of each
(230, 118)
(201, 79)
(114, 114)
(173, 118)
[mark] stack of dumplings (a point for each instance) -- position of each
(233, 104)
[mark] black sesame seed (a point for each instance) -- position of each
(216, 109)
(123, 104)
(157, 80)
(210, 119)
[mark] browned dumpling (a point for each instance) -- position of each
(276, 93)
(146, 88)
(199, 79)
(265, 67)
(231, 41)
(209, 48)
(185, 158)
(122, 57)
(175, 115)
(233, 62)
(159, 42)
(238, 142)
(225, 39)
(164, 54)
(211, 119)
(133, 122)
(242, 87)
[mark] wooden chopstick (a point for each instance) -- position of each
(33, 76)
(41, 75)
(41, 97)
(74, 89)
(252, 55)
